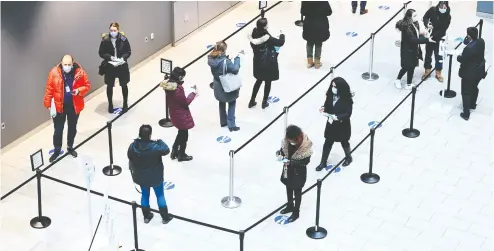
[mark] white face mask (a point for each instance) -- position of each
(293, 143)
(442, 11)
(414, 18)
(334, 90)
(67, 68)
(113, 34)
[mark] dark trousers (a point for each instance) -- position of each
(469, 94)
(181, 141)
(362, 5)
(409, 74)
(122, 73)
(298, 197)
(59, 123)
(328, 145)
(429, 49)
(257, 86)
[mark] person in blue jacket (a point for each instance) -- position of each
(146, 166)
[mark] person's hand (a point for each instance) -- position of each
(112, 58)
(75, 92)
(431, 41)
(196, 91)
(333, 117)
(321, 109)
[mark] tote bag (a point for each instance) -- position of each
(229, 81)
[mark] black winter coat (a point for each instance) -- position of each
(410, 51)
(472, 61)
(341, 129)
(440, 22)
(145, 161)
(316, 24)
(261, 40)
(106, 51)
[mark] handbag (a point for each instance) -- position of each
(229, 81)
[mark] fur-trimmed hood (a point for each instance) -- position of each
(256, 38)
(304, 151)
(168, 86)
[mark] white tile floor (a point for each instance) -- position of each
(435, 193)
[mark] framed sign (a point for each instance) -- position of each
(263, 4)
(37, 160)
(166, 66)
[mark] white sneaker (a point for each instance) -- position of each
(409, 86)
(398, 84)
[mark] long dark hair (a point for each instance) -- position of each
(344, 91)
(260, 29)
(407, 20)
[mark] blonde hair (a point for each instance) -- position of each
(219, 49)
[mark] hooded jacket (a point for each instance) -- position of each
(440, 22)
(145, 161)
(216, 61)
(261, 40)
(316, 24)
(178, 105)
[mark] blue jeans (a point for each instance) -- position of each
(431, 48)
(158, 191)
(229, 119)
(362, 5)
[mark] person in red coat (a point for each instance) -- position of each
(178, 106)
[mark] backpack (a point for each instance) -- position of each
(268, 56)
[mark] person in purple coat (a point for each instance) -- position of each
(178, 105)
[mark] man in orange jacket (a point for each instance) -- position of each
(66, 85)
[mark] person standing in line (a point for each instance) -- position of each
(216, 61)
(412, 35)
(315, 29)
(115, 51)
(265, 60)
(363, 10)
(338, 108)
(146, 167)
(66, 86)
(178, 105)
(295, 152)
(440, 19)
(472, 70)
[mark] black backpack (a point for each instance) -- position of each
(268, 56)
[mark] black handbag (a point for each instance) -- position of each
(102, 67)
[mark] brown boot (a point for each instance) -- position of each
(426, 74)
(310, 62)
(439, 76)
(317, 63)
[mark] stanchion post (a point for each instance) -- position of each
(481, 25)
(448, 93)
(241, 236)
(333, 74)
(231, 201)
(166, 69)
(166, 122)
(40, 221)
(370, 76)
(412, 132)
(317, 232)
(285, 119)
(300, 22)
(405, 5)
(134, 219)
(111, 170)
(370, 177)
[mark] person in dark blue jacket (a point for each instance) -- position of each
(146, 166)
(472, 70)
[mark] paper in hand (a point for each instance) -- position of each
(53, 109)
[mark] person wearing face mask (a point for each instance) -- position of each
(412, 35)
(295, 153)
(265, 60)
(180, 115)
(315, 29)
(338, 109)
(115, 51)
(439, 18)
(472, 70)
(67, 84)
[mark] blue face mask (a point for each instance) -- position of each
(113, 34)
(466, 41)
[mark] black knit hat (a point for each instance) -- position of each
(177, 74)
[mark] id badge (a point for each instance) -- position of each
(67, 89)
(285, 172)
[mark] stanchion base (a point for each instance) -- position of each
(137, 250)
(370, 178)
(109, 171)
(40, 222)
(234, 203)
(299, 23)
(448, 93)
(165, 123)
(410, 133)
(318, 233)
(370, 76)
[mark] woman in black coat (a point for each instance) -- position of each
(472, 70)
(412, 35)
(115, 50)
(316, 29)
(265, 60)
(338, 108)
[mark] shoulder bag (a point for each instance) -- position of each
(229, 81)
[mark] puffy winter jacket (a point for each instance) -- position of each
(178, 105)
(440, 22)
(145, 161)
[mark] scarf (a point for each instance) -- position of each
(304, 151)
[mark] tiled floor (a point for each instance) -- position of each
(435, 191)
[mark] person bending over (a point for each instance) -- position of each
(295, 152)
(146, 166)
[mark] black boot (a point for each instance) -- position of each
(110, 107)
(174, 153)
(324, 159)
(165, 216)
(125, 107)
(466, 107)
(252, 103)
(146, 212)
(72, 152)
(182, 156)
(288, 209)
(295, 215)
(264, 104)
(55, 155)
(348, 156)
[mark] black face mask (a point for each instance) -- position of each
(466, 40)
